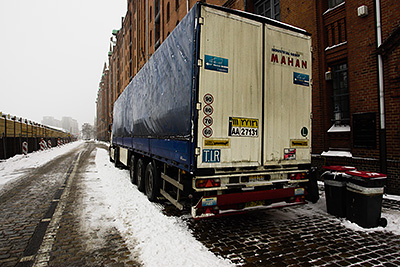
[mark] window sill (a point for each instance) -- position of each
(331, 153)
(339, 128)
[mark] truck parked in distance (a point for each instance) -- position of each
(219, 118)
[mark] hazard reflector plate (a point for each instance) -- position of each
(210, 201)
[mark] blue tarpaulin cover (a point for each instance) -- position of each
(157, 103)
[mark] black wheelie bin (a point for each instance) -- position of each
(364, 198)
(335, 189)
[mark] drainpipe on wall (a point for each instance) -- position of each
(147, 30)
(187, 6)
(382, 126)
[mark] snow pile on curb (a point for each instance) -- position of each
(159, 240)
(15, 167)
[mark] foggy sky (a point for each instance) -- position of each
(52, 56)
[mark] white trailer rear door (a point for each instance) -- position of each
(287, 123)
(230, 91)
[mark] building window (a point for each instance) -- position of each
(151, 13)
(151, 37)
(333, 3)
(341, 101)
(168, 16)
(364, 130)
(268, 8)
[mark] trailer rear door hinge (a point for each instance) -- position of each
(198, 106)
(201, 20)
(200, 63)
(197, 151)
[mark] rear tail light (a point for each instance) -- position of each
(298, 176)
(207, 183)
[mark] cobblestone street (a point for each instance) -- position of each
(24, 203)
(277, 238)
(293, 236)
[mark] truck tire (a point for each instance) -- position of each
(152, 181)
(109, 153)
(140, 170)
(116, 159)
(132, 173)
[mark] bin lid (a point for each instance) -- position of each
(367, 175)
(339, 168)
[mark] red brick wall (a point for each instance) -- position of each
(390, 22)
(362, 61)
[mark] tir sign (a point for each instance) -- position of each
(211, 155)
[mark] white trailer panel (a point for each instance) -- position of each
(230, 120)
(287, 127)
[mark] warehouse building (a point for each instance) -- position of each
(356, 73)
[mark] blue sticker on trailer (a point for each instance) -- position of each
(301, 79)
(216, 63)
(211, 155)
(207, 202)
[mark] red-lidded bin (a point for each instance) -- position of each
(364, 198)
(335, 181)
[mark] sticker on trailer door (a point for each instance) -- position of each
(243, 127)
(290, 154)
(216, 63)
(301, 79)
(211, 155)
(224, 143)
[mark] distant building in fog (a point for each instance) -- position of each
(51, 121)
(70, 124)
(67, 123)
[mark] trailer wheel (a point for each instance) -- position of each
(132, 173)
(140, 169)
(116, 159)
(109, 152)
(152, 181)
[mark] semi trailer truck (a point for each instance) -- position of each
(219, 118)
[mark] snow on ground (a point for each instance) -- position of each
(113, 202)
(15, 167)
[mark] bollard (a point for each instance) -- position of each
(49, 144)
(25, 148)
(58, 142)
(43, 145)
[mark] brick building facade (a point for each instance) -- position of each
(353, 123)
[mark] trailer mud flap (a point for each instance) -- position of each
(312, 187)
(217, 205)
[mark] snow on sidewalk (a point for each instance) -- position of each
(159, 240)
(15, 167)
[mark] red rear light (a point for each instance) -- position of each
(207, 183)
(298, 176)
